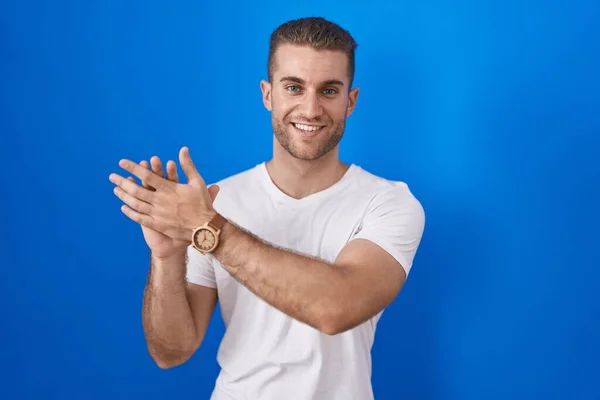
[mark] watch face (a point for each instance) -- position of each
(205, 239)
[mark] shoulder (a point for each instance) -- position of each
(391, 194)
(394, 218)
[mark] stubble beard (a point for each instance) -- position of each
(327, 140)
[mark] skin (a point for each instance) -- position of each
(308, 86)
(300, 167)
(175, 314)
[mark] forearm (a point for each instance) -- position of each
(167, 317)
(310, 290)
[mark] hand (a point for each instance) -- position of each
(163, 205)
(160, 244)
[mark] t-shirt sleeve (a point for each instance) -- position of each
(200, 269)
(395, 221)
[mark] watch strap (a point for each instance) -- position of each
(217, 222)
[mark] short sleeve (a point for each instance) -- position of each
(200, 269)
(395, 221)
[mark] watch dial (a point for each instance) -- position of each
(205, 239)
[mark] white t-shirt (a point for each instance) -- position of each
(267, 355)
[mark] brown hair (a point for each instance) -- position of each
(315, 32)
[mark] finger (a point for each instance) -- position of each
(142, 219)
(172, 171)
(144, 174)
(188, 166)
(132, 179)
(132, 188)
(213, 190)
(132, 202)
(157, 166)
(144, 164)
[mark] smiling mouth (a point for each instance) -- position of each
(308, 130)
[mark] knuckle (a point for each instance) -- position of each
(135, 203)
(146, 174)
(145, 208)
(137, 217)
(135, 191)
(152, 223)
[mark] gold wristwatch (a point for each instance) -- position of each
(205, 238)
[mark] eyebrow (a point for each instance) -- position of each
(302, 82)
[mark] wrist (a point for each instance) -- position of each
(177, 257)
(169, 270)
(186, 234)
(200, 220)
(233, 241)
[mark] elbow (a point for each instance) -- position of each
(334, 323)
(170, 359)
(167, 364)
(340, 317)
(332, 330)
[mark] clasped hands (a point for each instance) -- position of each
(163, 204)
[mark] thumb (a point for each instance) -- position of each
(189, 169)
(213, 190)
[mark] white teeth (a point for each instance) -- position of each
(307, 128)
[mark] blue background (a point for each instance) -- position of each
(489, 110)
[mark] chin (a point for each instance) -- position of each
(307, 150)
(306, 156)
(308, 144)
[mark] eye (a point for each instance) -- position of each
(330, 91)
(293, 88)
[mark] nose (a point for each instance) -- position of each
(310, 106)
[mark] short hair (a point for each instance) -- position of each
(316, 32)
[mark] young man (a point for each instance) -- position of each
(302, 252)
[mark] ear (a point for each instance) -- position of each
(265, 87)
(352, 97)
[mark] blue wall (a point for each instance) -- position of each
(489, 110)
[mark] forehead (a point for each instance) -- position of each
(311, 65)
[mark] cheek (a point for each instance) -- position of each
(281, 109)
(335, 111)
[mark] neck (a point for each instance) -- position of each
(301, 178)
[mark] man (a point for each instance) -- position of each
(303, 252)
